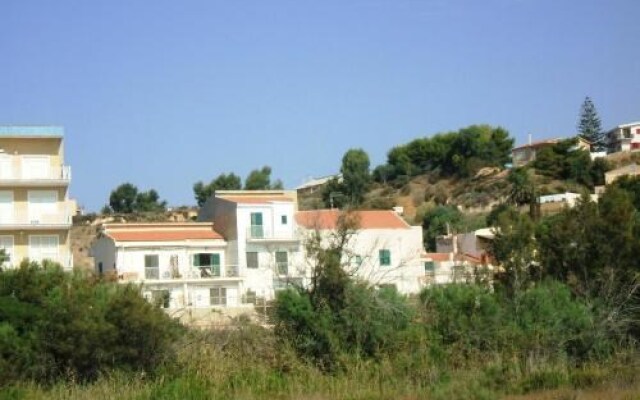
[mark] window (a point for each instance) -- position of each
(218, 296)
(208, 263)
(282, 262)
(385, 257)
(151, 266)
(249, 297)
(358, 260)
(6, 207)
(35, 167)
(161, 298)
(429, 267)
(43, 206)
(626, 132)
(257, 230)
(6, 244)
(252, 259)
(283, 219)
(43, 247)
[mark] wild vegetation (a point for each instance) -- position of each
(563, 313)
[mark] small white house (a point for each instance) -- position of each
(383, 249)
(183, 266)
(569, 198)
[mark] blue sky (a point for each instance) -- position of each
(165, 93)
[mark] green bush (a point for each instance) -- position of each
(55, 325)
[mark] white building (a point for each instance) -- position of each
(625, 137)
(257, 248)
(383, 250)
(262, 236)
(183, 266)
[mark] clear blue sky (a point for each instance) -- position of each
(165, 93)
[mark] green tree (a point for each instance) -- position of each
(589, 125)
(127, 199)
(355, 174)
(203, 191)
(260, 179)
(149, 201)
(123, 198)
(514, 248)
(437, 222)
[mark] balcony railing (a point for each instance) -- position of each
(183, 274)
(26, 219)
(16, 174)
(259, 232)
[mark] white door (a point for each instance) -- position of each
(43, 206)
(6, 167)
(6, 244)
(35, 167)
(43, 247)
(6, 207)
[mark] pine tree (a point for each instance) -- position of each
(589, 125)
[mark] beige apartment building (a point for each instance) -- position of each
(35, 210)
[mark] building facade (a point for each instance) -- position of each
(625, 137)
(35, 210)
(262, 235)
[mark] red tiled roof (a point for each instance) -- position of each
(163, 236)
(538, 144)
(160, 232)
(328, 219)
(439, 257)
(256, 199)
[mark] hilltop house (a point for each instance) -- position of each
(625, 137)
(523, 155)
(35, 210)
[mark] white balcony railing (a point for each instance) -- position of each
(190, 273)
(259, 232)
(14, 173)
(27, 219)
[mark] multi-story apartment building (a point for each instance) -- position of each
(261, 232)
(35, 210)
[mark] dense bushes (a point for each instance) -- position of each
(67, 325)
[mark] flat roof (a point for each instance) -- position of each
(31, 131)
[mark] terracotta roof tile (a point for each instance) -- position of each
(328, 219)
(163, 236)
(439, 257)
(161, 232)
(256, 199)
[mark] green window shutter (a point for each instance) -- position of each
(215, 259)
(196, 260)
(429, 266)
(384, 256)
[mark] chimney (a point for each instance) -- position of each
(530, 139)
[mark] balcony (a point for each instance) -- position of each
(27, 221)
(168, 274)
(13, 174)
(259, 233)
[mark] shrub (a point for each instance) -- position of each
(68, 325)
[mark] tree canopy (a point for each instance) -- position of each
(260, 179)
(355, 174)
(127, 199)
(203, 191)
(461, 153)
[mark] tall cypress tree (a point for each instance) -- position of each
(589, 125)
